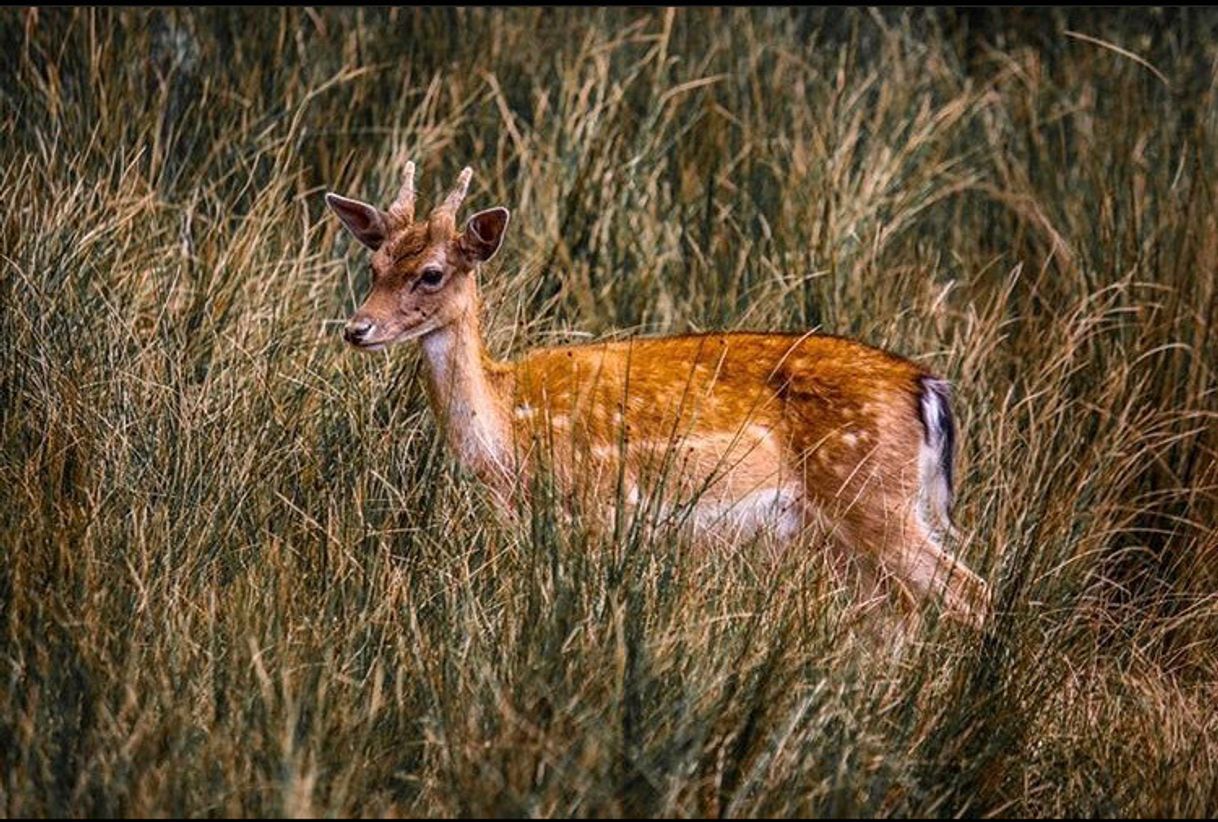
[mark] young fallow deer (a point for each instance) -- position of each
(756, 434)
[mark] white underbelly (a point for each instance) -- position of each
(765, 512)
(724, 487)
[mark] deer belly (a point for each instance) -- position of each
(731, 487)
(773, 511)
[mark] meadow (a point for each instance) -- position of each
(239, 574)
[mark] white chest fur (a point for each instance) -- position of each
(473, 423)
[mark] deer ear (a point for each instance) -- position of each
(483, 234)
(368, 223)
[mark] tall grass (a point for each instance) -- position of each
(241, 576)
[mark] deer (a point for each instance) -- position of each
(751, 434)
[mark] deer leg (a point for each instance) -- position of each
(882, 611)
(915, 556)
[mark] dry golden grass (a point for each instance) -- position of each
(240, 576)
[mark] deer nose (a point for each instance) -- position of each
(357, 330)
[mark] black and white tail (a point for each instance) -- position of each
(935, 460)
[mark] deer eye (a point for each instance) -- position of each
(431, 276)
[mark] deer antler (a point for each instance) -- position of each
(453, 201)
(402, 209)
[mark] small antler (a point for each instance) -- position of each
(402, 209)
(453, 201)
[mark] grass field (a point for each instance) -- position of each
(241, 576)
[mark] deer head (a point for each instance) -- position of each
(422, 271)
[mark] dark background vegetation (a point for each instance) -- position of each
(240, 576)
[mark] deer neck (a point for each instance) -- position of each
(466, 399)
